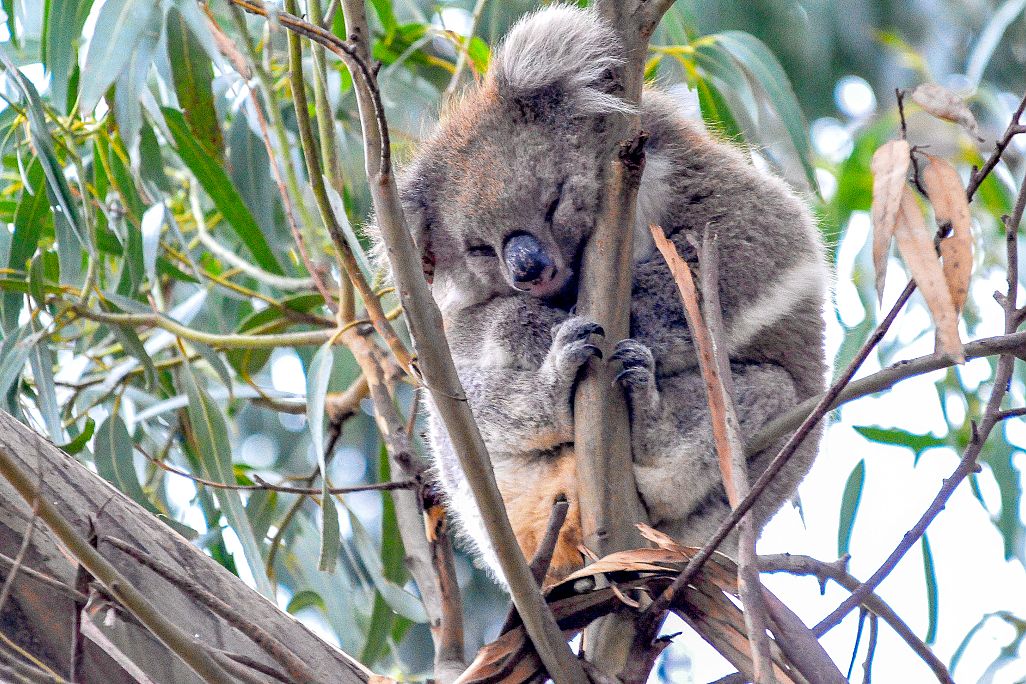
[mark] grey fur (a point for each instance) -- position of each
(524, 153)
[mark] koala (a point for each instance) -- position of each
(502, 200)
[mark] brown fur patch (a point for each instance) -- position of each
(529, 493)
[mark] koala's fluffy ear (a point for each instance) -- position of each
(560, 51)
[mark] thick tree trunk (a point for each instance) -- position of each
(116, 648)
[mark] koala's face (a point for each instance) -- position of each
(504, 203)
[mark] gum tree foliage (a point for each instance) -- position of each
(137, 176)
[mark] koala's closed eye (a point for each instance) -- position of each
(481, 251)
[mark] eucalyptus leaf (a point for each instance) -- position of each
(767, 72)
(219, 187)
(120, 27)
(214, 452)
(114, 455)
(316, 392)
(850, 500)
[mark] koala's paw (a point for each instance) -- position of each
(571, 348)
(638, 374)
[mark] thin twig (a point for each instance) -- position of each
(715, 370)
(463, 51)
(867, 666)
(991, 417)
(285, 489)
(543, 554)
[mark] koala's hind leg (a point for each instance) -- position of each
(675, 460)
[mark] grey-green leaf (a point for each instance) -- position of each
(849, 506)
(115, 461)
(316, 390)
(930, 575)
(120, 27)
(754, 56)
(215, 454)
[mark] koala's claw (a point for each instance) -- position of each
(633, 354)
(634, 377)
(637, 376)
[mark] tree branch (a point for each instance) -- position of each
(190, 650)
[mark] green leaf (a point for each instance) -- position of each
(41, 361)
(131, 82)
(930, 575)
(42, 141)
(120, 27)
(316, 391)
(113, 453)
(898, 437)
(850, 506)
(398, 599)
(213, 450)
(14, 353)
(716, 112)
(766, 71)
(77, 444)
(131, 343)
(265, 322)
(998, 455)
(383, 8)
(304, 599)
(62, 31)
(718, 64)
(31, 216)
(192, 73)
(220, 189)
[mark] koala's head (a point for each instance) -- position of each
(504, 196)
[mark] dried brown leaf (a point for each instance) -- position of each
(663, 541)
(890, 168)
(493, 661)
(916, 246)
(947, 194)
(944, 104)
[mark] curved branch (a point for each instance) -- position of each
(838, 571)
(1014, 343)
(216, 340)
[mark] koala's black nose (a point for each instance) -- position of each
(527, 260)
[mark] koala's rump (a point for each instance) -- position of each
(529, 487)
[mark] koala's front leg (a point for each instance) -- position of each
(521, 410)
